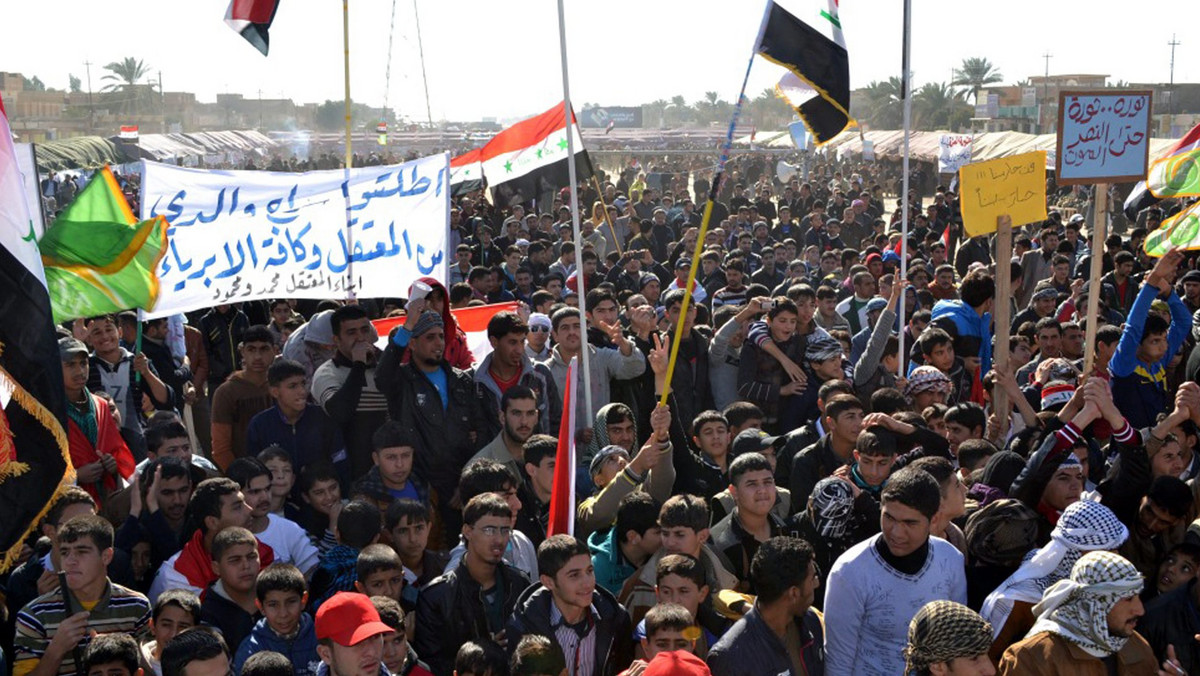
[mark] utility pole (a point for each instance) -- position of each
(1045, 85)
(162, 102)
(1171, 88)
(91, 110)
(260, 112)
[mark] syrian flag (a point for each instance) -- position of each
(466, 173)
(817, 81)
(472, 320)
(562, 496)
(529, 159)
(34, 457)
(252, 19)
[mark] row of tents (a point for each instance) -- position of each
(93, 152)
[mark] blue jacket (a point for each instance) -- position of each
(1140, 389)
(969, 329)
(612, 570)
(301, 651)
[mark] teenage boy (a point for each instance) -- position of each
(472, 601)
(707, 472)
(1147, 345)
(111, 655)
(350, 636)
(568, 608)
(842, 423)
(391, 477)
(618, 551)
(874, 458)
(125, 376)
(357, 527)
(964, 421)
(876, 586)
(540, 455)
(200, 649)
(321, 494)
(408, 523)
(398, 654)
(294, 423)
(175, 611)
(280, 595)
(242, 396)
(229, 604)
(52, 626)
(936, 348)
(506, 367)
(782, 632)
(379, 572)
(681, 582)
(667, 627)
(216, 504)
(684, 521)
(487, 476)
(737, 537)
(287, 539)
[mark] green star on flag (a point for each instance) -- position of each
(508, 166)
(562, 144)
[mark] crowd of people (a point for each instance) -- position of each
(273, 488)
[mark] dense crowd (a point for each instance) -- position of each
(274, 488)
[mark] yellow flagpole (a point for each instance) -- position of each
(607, 218)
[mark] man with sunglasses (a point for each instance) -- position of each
(537, 341)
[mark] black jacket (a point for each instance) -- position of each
(1173, 619)
(751, 648)
(614, 630)
(444, 433)
(797, 440)
(222, 333)
(737, 547)
(810, 466)
(450, 612)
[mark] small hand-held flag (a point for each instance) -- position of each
(252, 19)
(34, 458)
(562, 496)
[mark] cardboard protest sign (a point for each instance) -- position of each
(1103, 136)
(1009, 186)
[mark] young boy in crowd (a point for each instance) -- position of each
(280, 594)
(681, 582)
(391, 477)
(111, 655)
(398, 654)
(357, 526)
(667, 627)
(229, 603)
(618, 551)
(283, 481)
(174, 611)
(236, 401)
(736, 537)
(684, 521)
(287, 539)
(408, 522)
(965, 420)
(537, 656)
(707, 472)
(295, 423)
(380, 573)
(874, 456)
(321, 495)
(1178, 568)
(937, 349)
(480, 659)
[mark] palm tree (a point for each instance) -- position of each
(934, 104)
(974, 73)
(880, 104)
(124, 80)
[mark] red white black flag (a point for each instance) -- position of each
(252, 19)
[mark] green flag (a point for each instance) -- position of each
(98, 259)
(1181, 231)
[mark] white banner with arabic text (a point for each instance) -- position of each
(954, 152)
(247, 235)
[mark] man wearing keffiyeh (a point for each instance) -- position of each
(946, 638)
(1086, 624)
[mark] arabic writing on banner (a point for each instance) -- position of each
(246, 235)
(1009, 186)
(1103, 137)
(954, 151)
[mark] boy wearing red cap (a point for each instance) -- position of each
(350, 637)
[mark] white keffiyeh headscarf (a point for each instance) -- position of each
(1084, 526)
(1077, 608)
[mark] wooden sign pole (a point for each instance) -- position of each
(1002, 310)
(1099, 233)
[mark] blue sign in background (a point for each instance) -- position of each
(1103, 137)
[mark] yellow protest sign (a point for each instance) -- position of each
(1010, 186)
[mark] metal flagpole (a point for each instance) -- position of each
(421, 51)
(905, 91)
(570, 130)
(349, 148)
(708, 209)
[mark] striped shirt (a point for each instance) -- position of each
(119, 610)
(580, 651)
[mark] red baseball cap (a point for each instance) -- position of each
(676, 663)
(348, 618)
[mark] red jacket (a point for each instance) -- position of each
(108, 442)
